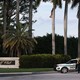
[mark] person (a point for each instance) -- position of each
(78, 66)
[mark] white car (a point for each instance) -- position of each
(65, 67)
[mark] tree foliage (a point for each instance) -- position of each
(44, 45)
(11, 32)
(18, 41)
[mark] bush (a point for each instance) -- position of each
(60, 58)
(42, 60)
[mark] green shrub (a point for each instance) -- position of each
(60, 58)
(65, 58)
(41, 60)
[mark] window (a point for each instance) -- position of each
(72, 61)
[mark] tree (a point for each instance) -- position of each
(55, 3)
(74, 3)
(5, 23)
(6, 14)
(65, 25)
(18, 41)
(9, 14)
(30, 22)
(37, 2)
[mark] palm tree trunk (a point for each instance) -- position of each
(17, 20)
(53, 30)
(11, 53)
(18, 52)
(65, 27)
(79, 38)
(8, 13)
(30, 24)
(30, 19)
(5, 23)
(78, 15)
(17, 13)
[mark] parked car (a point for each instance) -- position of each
(68, 66)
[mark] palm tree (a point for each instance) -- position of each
(30, 22)
(5, 22)
(53, 30)
(65, 25)
(4, 18)
(17, 13)
(30, 18)
(77, 2)
(37, 2)
(12, 35)
(55, 3)
(18, 40)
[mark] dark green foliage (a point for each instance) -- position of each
(60, 58)
(9, 21)
(42, 60)
(59, 44)
(73, 47)
(45, 45)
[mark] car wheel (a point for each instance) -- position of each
(64, 70)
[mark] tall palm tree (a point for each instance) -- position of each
(65, 25)
(5, 22)
(4, 16)
(53, 30)
(55, 4)
(37, 2)
(77, 2)
(30, 22)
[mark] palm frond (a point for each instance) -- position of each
(18, 39)
(37, 3)
(74, 3)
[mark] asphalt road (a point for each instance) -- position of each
(48, 76)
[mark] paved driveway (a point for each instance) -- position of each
(48, 76)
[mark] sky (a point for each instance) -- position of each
(44, 22)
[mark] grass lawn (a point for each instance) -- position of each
(3, 70)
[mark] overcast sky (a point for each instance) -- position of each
(44, 23)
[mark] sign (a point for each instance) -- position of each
(9, 62)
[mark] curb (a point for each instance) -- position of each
(15, 74)
(44, 72)
(24, 73)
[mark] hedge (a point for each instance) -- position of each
(42, 60)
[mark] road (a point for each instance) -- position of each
(48, 76)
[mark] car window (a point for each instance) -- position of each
(72, 61)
